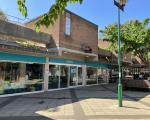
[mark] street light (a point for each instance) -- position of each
(120, 4)
(123, 2)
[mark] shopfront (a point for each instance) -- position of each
(97, 73)
(26, 74)
(65, 75)
(20, 73)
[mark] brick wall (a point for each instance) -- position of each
(52, 30)
(82, 33)
(126, 57)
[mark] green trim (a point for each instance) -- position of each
(21, 58)
(98, 65)
(66, 61)
(76, 62)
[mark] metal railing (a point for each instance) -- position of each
(22, 48)
(16, 20)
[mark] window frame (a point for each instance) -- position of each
(68, 24)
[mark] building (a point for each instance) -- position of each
(131, 65)
(61, 56)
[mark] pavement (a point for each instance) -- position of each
(97, 102)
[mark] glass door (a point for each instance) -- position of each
(80, 76)
(64, 70)
(53, 77)
(73, 76)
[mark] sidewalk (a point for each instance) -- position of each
(84, 103)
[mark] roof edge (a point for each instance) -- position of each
(66, 10)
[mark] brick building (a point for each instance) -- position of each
(131, 65)
(61, 56)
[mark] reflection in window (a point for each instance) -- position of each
(103, 75)
(80, 76)
(73, 76)
(34, 71)
(91, 76)
(20, 77)
(64, 76)
(34, 77)
(53, 76)
(68, 24)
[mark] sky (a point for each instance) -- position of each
(100, 12)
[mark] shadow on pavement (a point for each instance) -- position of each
(35, 106)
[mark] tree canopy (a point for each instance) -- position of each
(135, 37)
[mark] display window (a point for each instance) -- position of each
(20, 77)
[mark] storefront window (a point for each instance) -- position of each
(73, 76)
(64, 76)
(20, 77)
(91, 76)
(103, 75)
(34, 77)
(53, 76)
(80, 76)
(9, 76)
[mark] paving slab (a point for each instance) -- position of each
(84, 103)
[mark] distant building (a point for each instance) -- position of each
(132, 66)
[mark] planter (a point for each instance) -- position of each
(137, 84)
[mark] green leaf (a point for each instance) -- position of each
(135, 37)
(37, 28)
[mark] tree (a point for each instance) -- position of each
(3, 16)
(135, 38)
(53, 13)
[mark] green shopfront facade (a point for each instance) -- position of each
(23, 74)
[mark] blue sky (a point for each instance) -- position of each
(100, 12)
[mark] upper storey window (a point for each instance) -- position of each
(68, 24)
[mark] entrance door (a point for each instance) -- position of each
(53, 77)
(80, 76)
(73, 76)
(64, 76)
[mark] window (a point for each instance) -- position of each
(91, 76)
(68, 24)
(20, 77)
(53, 77)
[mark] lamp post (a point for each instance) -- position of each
(120, 4)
